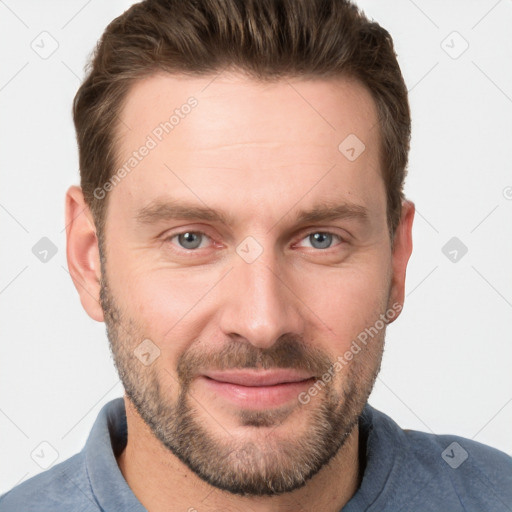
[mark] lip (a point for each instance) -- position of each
(258, 378)
(256, 389)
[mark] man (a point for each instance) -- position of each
(241, 229)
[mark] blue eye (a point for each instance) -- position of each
(321, 239)
(192, 240)
(189, 240)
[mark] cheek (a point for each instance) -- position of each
(346, 300)
(166, 303)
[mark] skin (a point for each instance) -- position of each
(259, 153)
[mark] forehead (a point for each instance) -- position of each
(334, 107)
(249, 141)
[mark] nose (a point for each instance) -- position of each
(259, 302)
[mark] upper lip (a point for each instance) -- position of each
(258, 377)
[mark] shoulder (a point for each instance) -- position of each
(453, 452)
(63, 487)
(444, 468)
(481, 473)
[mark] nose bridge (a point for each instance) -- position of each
(259, 306)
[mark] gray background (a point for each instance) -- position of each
(446, 367)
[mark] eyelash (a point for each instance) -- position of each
(189, 251)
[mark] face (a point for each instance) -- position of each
(245, 255)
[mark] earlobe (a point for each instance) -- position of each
(402, 249)
(82, 252)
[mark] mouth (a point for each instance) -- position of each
(261, 389)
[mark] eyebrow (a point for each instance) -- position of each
(159, 211)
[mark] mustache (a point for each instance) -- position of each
(289, 352)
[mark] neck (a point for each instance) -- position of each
(161, 482)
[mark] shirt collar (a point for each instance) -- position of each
(108, 438)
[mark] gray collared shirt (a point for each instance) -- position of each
(403, 470)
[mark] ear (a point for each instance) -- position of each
(402, 249)
(82, 252)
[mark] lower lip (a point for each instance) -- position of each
(257, 397)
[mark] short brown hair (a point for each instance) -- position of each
(267, 40)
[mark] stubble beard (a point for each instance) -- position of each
(267, 463)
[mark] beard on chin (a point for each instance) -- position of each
(263, 461)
